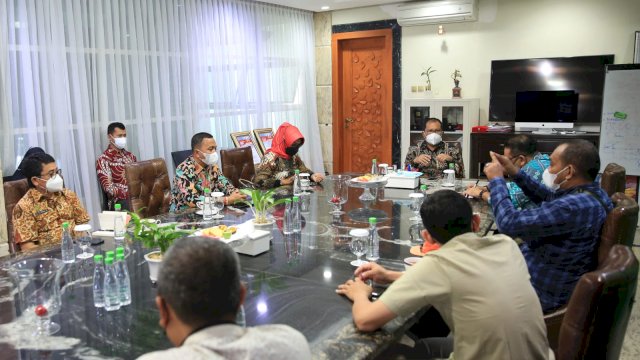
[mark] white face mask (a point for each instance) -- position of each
(210, 159)
(549, 179)
(434, 139)
(120, 142)
(55, 184)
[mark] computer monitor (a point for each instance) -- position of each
(543, 111)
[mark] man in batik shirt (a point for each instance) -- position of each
(279, 164)
(432, 156)
(198, 172)
(38, 216)
(110, 167)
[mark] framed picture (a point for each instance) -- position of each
(244, 139)
(264, 137)
(636, 51)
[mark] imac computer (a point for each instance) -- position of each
(544, 111)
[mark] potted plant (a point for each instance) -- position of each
(155, 236)
(456, 75)
(261, 202)
(428, 73)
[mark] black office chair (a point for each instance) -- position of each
(180, 156)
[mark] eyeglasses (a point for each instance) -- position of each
(51, 174)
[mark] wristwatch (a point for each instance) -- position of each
(482, 193)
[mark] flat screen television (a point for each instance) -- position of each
(584, 75)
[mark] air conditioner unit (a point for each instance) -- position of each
(437, 12)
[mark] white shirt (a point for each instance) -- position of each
(231, 341)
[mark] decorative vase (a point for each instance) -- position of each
(456, 92)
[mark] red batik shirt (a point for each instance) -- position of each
(110, 169)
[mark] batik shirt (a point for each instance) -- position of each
(560, 237)
(534, 168)
(190, 181)
(274, 168)
(110, 169)
(38, 217)
(435, 167)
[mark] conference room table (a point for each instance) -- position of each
(293, 283)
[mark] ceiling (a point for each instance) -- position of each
(316, 5)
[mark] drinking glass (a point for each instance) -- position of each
(38, 283)
(84, 238)
(449, 178)
(217, 201)
(338, 192)
(358, 245)
(305, 182)
(416, 203)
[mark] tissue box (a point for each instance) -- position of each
(402, 182)
(106, 219)
(257, 243)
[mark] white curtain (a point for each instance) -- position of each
(165, 68)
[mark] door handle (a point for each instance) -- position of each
(347, 121)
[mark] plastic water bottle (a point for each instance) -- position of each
(240, 318)
(287, 226)
(122, 274)
(68, 252)
(207, 210)
(98, 282)
(373, 250)
(374, 167)
(111, 286)
(296, 217)
(118, 227)
(297, 186)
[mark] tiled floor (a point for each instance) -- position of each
(631, 345)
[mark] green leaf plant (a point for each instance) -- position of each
(153, 235)
(261, 202)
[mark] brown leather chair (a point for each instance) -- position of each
(237, 164)
(613, 179)
(619, 228)
(13, 192)
(598, 311)
(149, 187)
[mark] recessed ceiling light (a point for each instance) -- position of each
(325, 7)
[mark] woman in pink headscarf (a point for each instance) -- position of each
(279, 163)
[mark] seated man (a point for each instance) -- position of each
(38, 216)
(198, 172)
(521, 150)
(110, 166)
(199, 294)
(281, 160)
(560, 237)
(479, 285)
(432, 156)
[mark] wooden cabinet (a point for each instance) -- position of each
(458, 117)
(482, 143)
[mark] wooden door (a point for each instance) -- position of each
(362, 99)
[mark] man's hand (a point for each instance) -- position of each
(317, 177)
(422, 159)
(444, 158)
(287, 181)
(354, 288)
(375, 272)
(235, 196)
(473, 191)
(508, 166)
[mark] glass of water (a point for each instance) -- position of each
(217, 201)
(84, 239)
(358, 245)
(416, 203)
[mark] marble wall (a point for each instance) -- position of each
(322, 27)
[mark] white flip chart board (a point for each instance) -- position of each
(620, 128)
